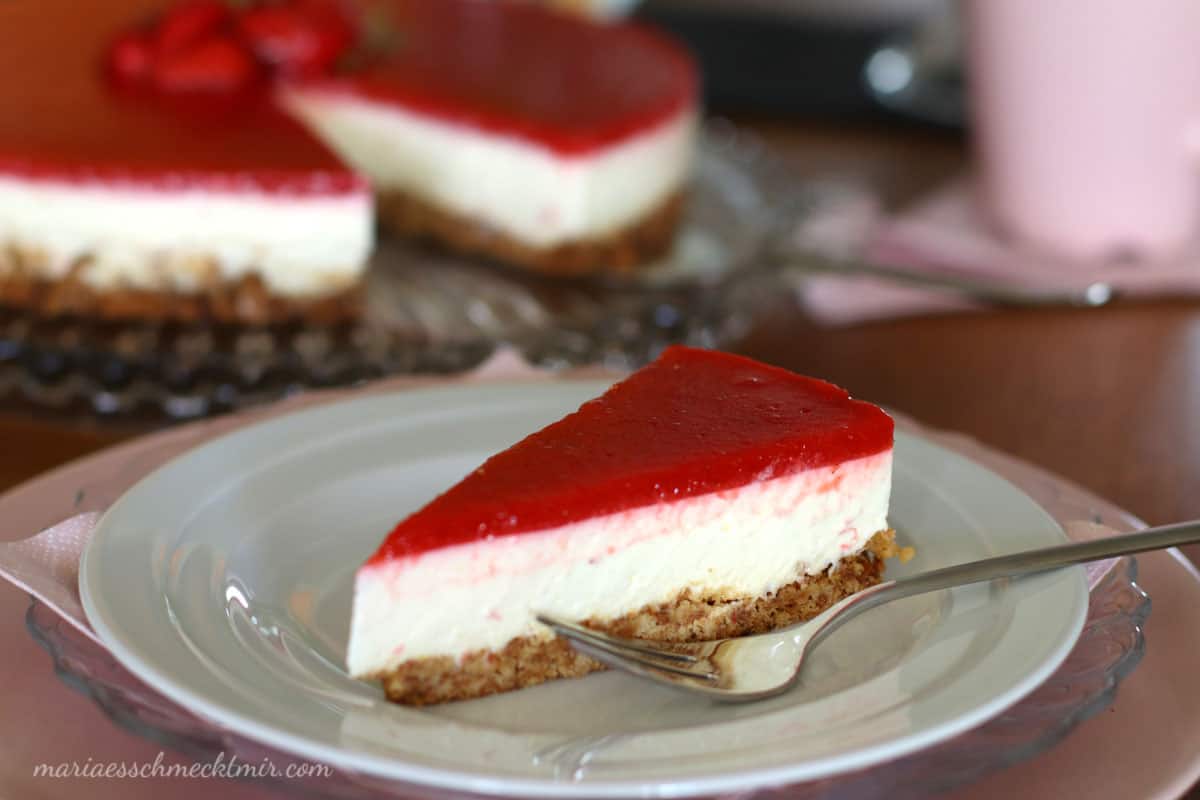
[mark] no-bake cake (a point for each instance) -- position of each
(213, 162)
(705, 496)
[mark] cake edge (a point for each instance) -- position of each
(246, 299)
(621, 252)
(531, 660)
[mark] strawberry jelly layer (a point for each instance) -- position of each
(518, 70)
(691, 423)
(61, 122)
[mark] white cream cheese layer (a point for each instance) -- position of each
(750, 541)
(171, 241)
(528, 192)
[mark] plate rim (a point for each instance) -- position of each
(222, 714)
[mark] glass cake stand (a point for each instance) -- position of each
(1108, 649)
(431, 312)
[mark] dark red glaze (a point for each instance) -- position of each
(62, 121)
(692, 422)
(519, 70)
(511, 69)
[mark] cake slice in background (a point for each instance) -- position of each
(528, 136)
(206, 204)
(705, 496)
(197, 161)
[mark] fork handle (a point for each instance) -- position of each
(989, 291)
(1026, 562)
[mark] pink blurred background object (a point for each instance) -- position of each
(1086, 117)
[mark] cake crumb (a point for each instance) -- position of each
(883, 544)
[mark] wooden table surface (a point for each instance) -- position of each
(1109, 398)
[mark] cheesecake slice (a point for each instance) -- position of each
(197, 160)
(124, 203)
(705, 496)
(509, 131)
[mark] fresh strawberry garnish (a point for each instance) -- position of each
(297, 39)
(130, 56)
(218, 64)
(204, 46)
(190, 22)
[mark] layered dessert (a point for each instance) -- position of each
(115, 203)
(213, 161)
(705, 496)
(527, 136)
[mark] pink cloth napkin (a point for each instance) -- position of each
(946, 234)
(47, 564)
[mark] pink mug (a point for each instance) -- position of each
(1086, 122)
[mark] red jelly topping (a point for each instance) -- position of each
(509, 68)
(692, 422)
(519, 70)
(62, 120)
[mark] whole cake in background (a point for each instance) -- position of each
(225, 162)
(705, 496)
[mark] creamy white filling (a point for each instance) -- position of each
(145, 239)
(747, 542)
(513, 186)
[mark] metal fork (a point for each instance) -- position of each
(980, 288)
(754, 667)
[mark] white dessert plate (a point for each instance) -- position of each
(223, 580)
